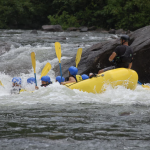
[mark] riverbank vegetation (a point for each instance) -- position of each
(107, 14)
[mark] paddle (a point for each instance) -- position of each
(46, 69)
(58, 54)
(1, 84)
(78, 56)
(144, 86)
(34, 65)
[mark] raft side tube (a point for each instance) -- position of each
(115, 77)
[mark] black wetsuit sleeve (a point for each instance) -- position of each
(117, 49)
(131, 60)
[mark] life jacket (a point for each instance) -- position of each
(16, 90)
(78, 78)
(126, 57)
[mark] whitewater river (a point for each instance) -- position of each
(57, 118)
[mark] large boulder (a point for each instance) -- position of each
(92, 28)
(34, 32)
(72, 29)
(140, 43)
(96, 57)
(120, 31)
(112, 31)
(83, 29)
(53, 28)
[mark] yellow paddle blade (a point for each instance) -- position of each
(33, 61)
(79, 78)
(46, 69)
(78, 56)
(1, 83)
(58, 50)
(146, 86)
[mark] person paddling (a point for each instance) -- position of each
(122, 56)
(16, 85)
(84, 77)
(72, 75)
(45, 80)
(58, 79)
(31, 80)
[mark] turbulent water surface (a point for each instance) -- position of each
(59, 118)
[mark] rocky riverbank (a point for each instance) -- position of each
(58, 28)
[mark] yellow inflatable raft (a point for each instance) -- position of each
(115, 77)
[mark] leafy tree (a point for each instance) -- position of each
(64, 19)
(129, 14)
(126, 14)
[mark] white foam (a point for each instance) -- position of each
(59, 94)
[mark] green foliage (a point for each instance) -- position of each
(126, 14)
(14, 11)
(23, 13)
(84, 12)
(65, 20)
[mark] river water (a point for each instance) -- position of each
(58, 118)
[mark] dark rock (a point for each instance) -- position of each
(140, 43)
(72, 29)
(4, 47)
(104, 32)
(101, 30)
(114, 36)
(125, 114)
(81, 27)
(120, 31)
(54, 38)
(34, 32)
(96, 57)
(112, 31)
(84, 29)
(53, 28)
(128, 32)
(92, 28)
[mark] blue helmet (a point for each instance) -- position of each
(46, 79)
(84, 77)
(16, 80)
(73, 70)
(31, 80)
(58, 78)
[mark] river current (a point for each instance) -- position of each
(58, 118)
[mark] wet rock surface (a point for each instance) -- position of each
(84, 29)
(92, 28)
(96, 57)
(52, 28)
(72, 29)
(34, 32)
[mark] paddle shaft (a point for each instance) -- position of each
(60, 71)
(35, 79)
(139, 83)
